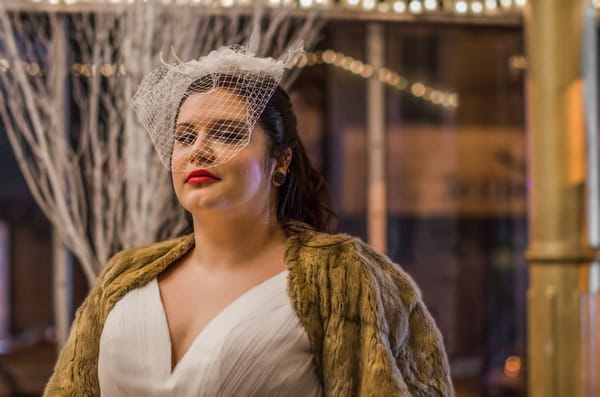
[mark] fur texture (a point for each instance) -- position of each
(370, 333)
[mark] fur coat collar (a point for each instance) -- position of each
(369, 330)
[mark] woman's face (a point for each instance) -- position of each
(208, 127)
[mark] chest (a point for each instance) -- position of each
(192, 300)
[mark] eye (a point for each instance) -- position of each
(230, 135)
(186, 136)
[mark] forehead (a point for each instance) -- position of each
(217, 104)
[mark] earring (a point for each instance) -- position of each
(279, 178)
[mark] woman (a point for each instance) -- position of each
(258, 301)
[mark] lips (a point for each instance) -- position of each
(200, 176)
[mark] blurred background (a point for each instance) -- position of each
(452, 79)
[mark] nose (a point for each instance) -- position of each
(203, 153)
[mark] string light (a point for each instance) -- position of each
(471, 8)
(491, 4)
(387, 76)
(415, 6)
(461, 7)
(430, 5)
(476, 7)
(368, 4)
(329, 57)
(399, 6)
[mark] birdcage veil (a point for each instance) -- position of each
(227, 90)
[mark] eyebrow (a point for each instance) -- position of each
(218, 122)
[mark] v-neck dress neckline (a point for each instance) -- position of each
(255, 346)
(225, 319)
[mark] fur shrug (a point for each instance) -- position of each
(369, 330)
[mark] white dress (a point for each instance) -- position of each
(255, 347)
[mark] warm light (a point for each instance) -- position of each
(476, 7)
(328, 56)
(305, 3)
(506, 3)
(369, 4)
(402, 84)
(227, 3)
(512, 366)
(521, 3)
(415, 6)
(70, 2)
(491, 4)
(393, 79)
(357, 67)
(383, 74)
(321, 2)
(436, 97)
(418, 89)
(399, 6)
(107, 70)
(461, 7)
(347, 62)
(53, 1)
(367, 71)
(337, 61)
(274, 2)
(353, 2)
(302, 61)
(431, 4)
(453, 100)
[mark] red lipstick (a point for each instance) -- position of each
(200, 176)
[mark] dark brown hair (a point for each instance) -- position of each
(304, 196)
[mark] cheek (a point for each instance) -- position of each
(252, 179)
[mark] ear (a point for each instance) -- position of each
(284, 160)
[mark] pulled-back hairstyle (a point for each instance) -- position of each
(304, 197)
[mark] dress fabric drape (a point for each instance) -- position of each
(255, 347)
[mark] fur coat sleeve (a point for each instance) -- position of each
(370, 331)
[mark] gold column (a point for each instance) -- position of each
(561, 295)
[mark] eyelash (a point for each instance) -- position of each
(225, 137)
(186, 138)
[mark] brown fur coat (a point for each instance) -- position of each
(370, 333)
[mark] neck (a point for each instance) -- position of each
(228, 241)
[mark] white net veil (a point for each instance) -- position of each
(204, 111)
